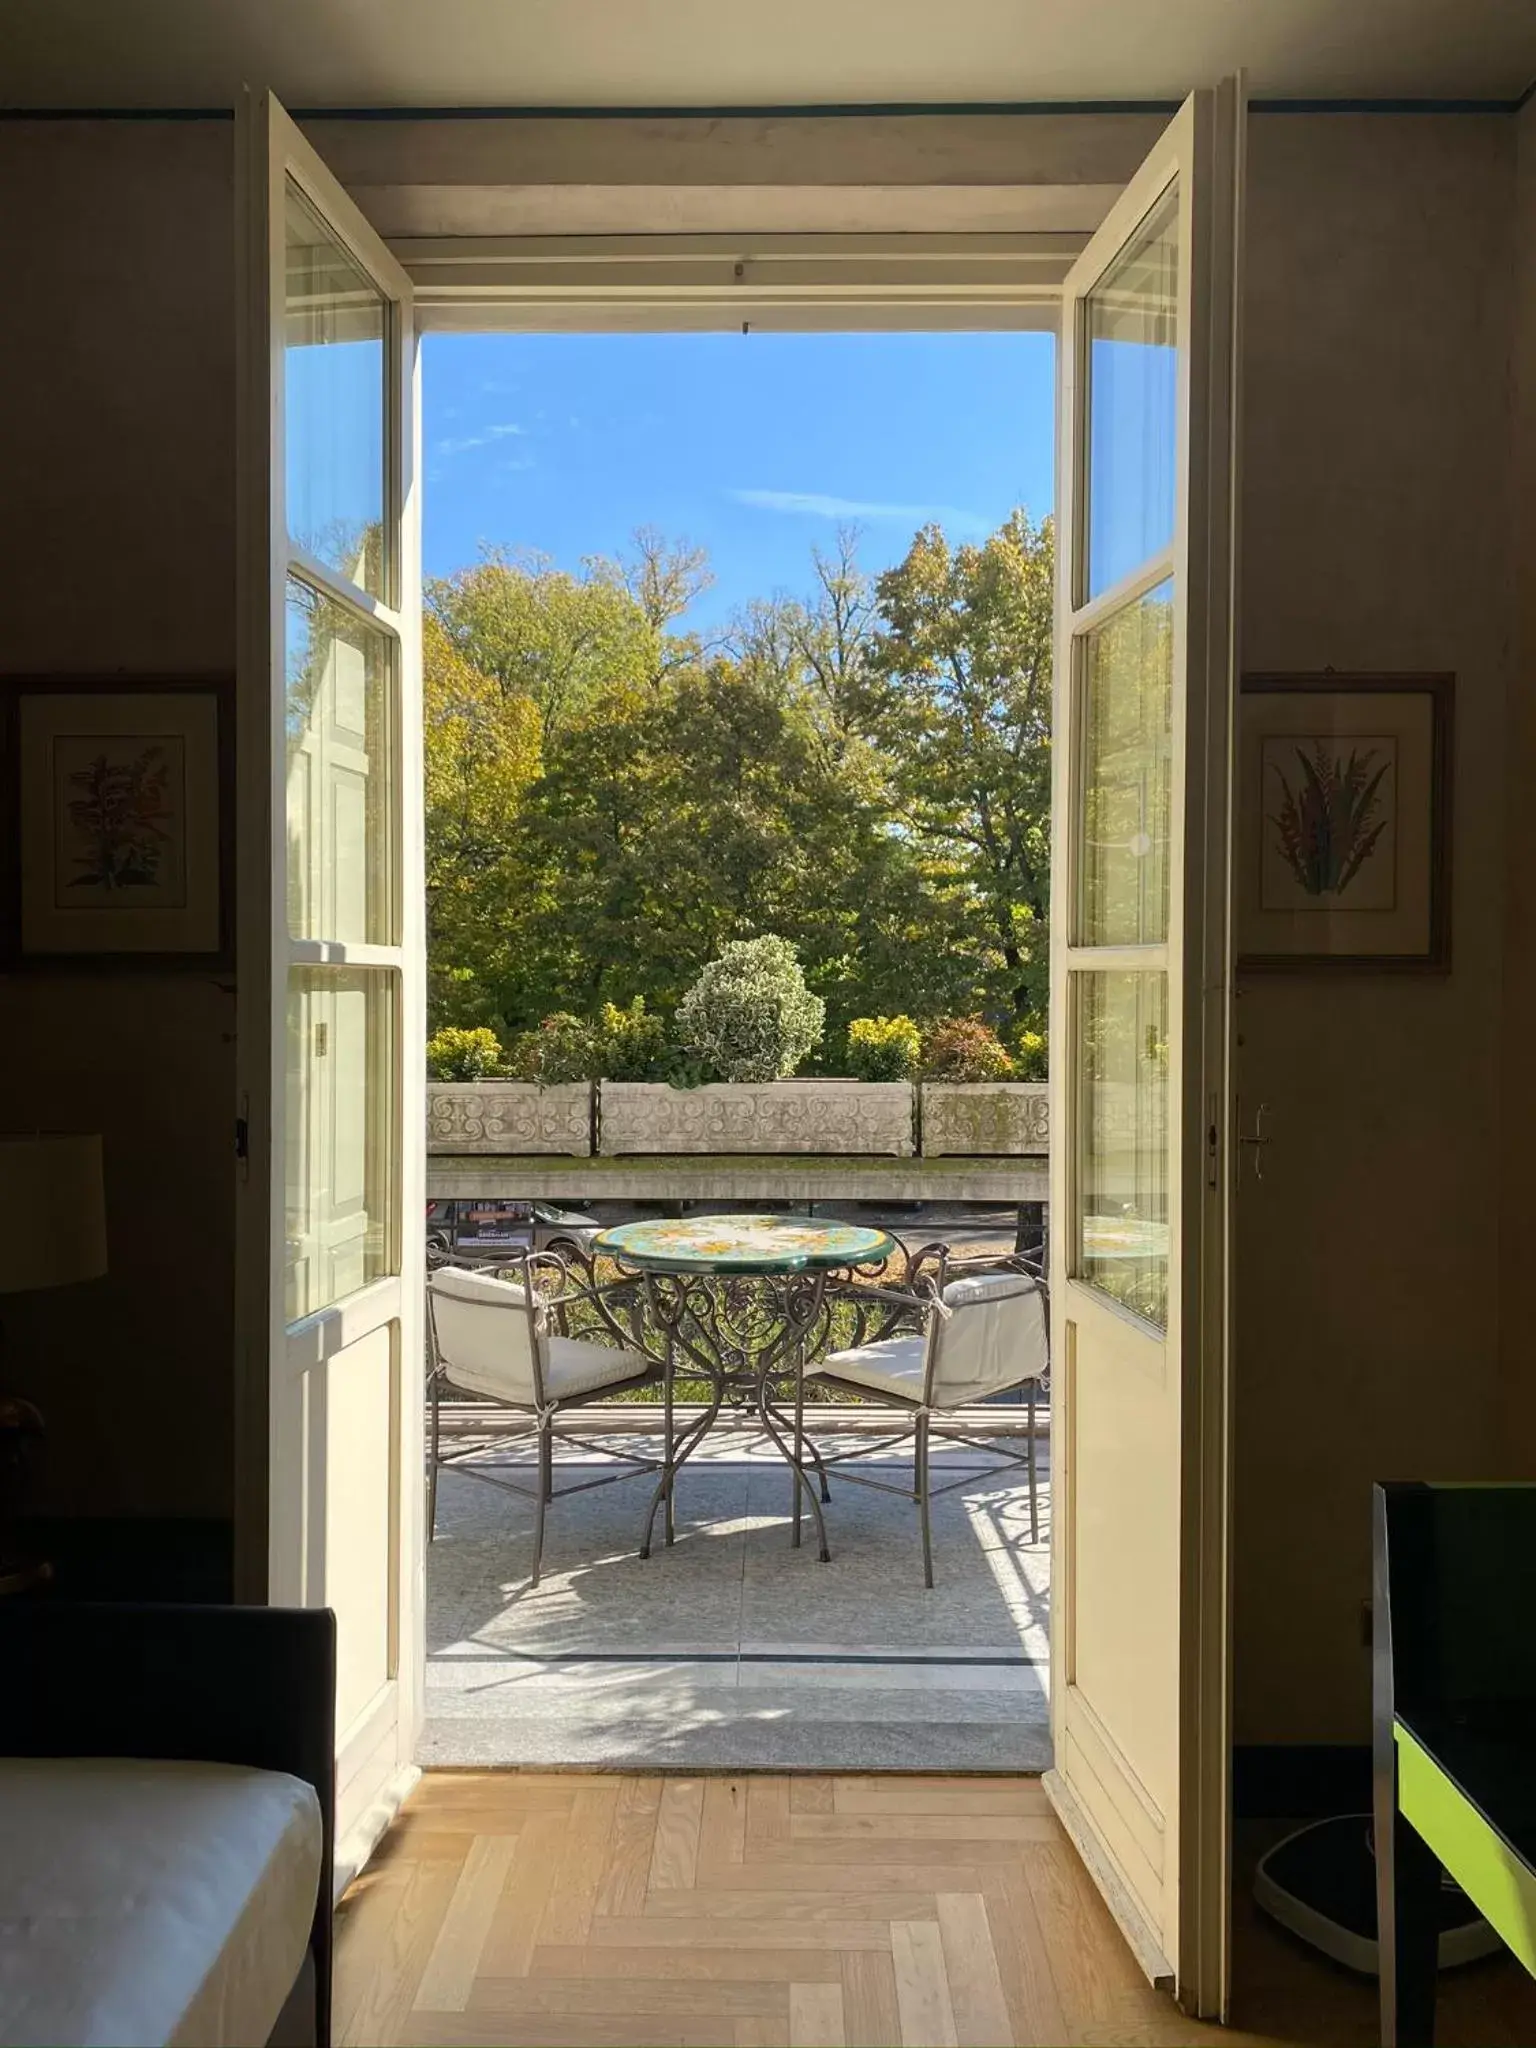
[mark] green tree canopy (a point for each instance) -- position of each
(864, 770)
(957, 688)
(539, 633)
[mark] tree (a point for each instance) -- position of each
(956, 688)
(481, 757)
(557, 639)
(661, 576)
(678, 818)
(864, 771)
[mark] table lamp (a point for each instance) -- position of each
(53, 1230)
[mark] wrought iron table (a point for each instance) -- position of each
(737, 1297)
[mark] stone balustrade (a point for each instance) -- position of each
(825, 1119)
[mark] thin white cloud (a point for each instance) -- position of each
(460, 444)
(817, 505)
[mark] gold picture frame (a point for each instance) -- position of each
(121, 845)
(1343, 822)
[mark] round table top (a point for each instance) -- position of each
(742, 1244)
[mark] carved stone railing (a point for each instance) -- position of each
(828, 1119)
(509, 1116)
(870, 1118)
(985, 1119)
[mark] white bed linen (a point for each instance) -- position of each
(151, 1902)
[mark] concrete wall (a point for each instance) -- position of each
(1376, 535)
(117, 560)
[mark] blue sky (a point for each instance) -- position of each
(753, 446)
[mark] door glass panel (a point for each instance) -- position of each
(340, 770)
(334, 395)
(341, 1133)
(1125, 714)
(1132, 338)
(1122, 1121)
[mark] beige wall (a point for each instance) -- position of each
(117, 559)
(1376, 513)
(1376, 534)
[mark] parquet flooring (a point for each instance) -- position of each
(778, 1912)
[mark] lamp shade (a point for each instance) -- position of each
(53, 1225)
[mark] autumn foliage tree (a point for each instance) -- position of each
(864, 771)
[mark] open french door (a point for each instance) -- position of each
(1140, 1032)
(331, 961)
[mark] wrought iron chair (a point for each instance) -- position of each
(501, 1339)
(978, 1333)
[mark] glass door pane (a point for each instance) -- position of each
(334, 403)
(341, 746)
(1121, 1059)
(342, 789)
(1132, 334)
(1125, 717)
(340, 1134)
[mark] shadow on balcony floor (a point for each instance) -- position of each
(731, 1650)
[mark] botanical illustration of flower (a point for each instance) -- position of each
(122, 815)
(1330, 818)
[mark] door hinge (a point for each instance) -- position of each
(243, 1132)
(1212, 1147)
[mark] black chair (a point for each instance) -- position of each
(1454, 1729)
(228, 1685)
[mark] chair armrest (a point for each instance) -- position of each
(894, 1297)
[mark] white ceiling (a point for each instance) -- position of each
(713, 53)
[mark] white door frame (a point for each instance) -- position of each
(281, 1385)
(1188, 1950)
(954, 280)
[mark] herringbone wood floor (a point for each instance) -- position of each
(508, 1907)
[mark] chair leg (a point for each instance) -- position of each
(432, 1462)
(1408, 1920)
(668, 1399)
(924, 1503)
(798, 1476)
(821, 1471)
(1034, 1504)
(542, 1491)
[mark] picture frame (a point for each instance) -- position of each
(1343, 822)
(120, 797)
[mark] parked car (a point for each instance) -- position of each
(563, 1230)
(474, 1230)
(439, 1234)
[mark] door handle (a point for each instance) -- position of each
(1254, 1142)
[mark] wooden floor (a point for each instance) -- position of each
(508, 1907)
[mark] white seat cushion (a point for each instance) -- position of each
(574, 1366)
(893, 1366)
(151, 1902)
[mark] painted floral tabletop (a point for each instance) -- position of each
(742, 1244)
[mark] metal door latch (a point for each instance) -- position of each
(1255, 1141)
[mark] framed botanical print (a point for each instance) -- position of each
(122, 834)
(1344, 821)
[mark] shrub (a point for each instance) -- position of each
(883, 1048)
(750, 1016)
(965, 1049)
(1030, 1055)
(563, 1048)
(632, 1043)
(454, 1054)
